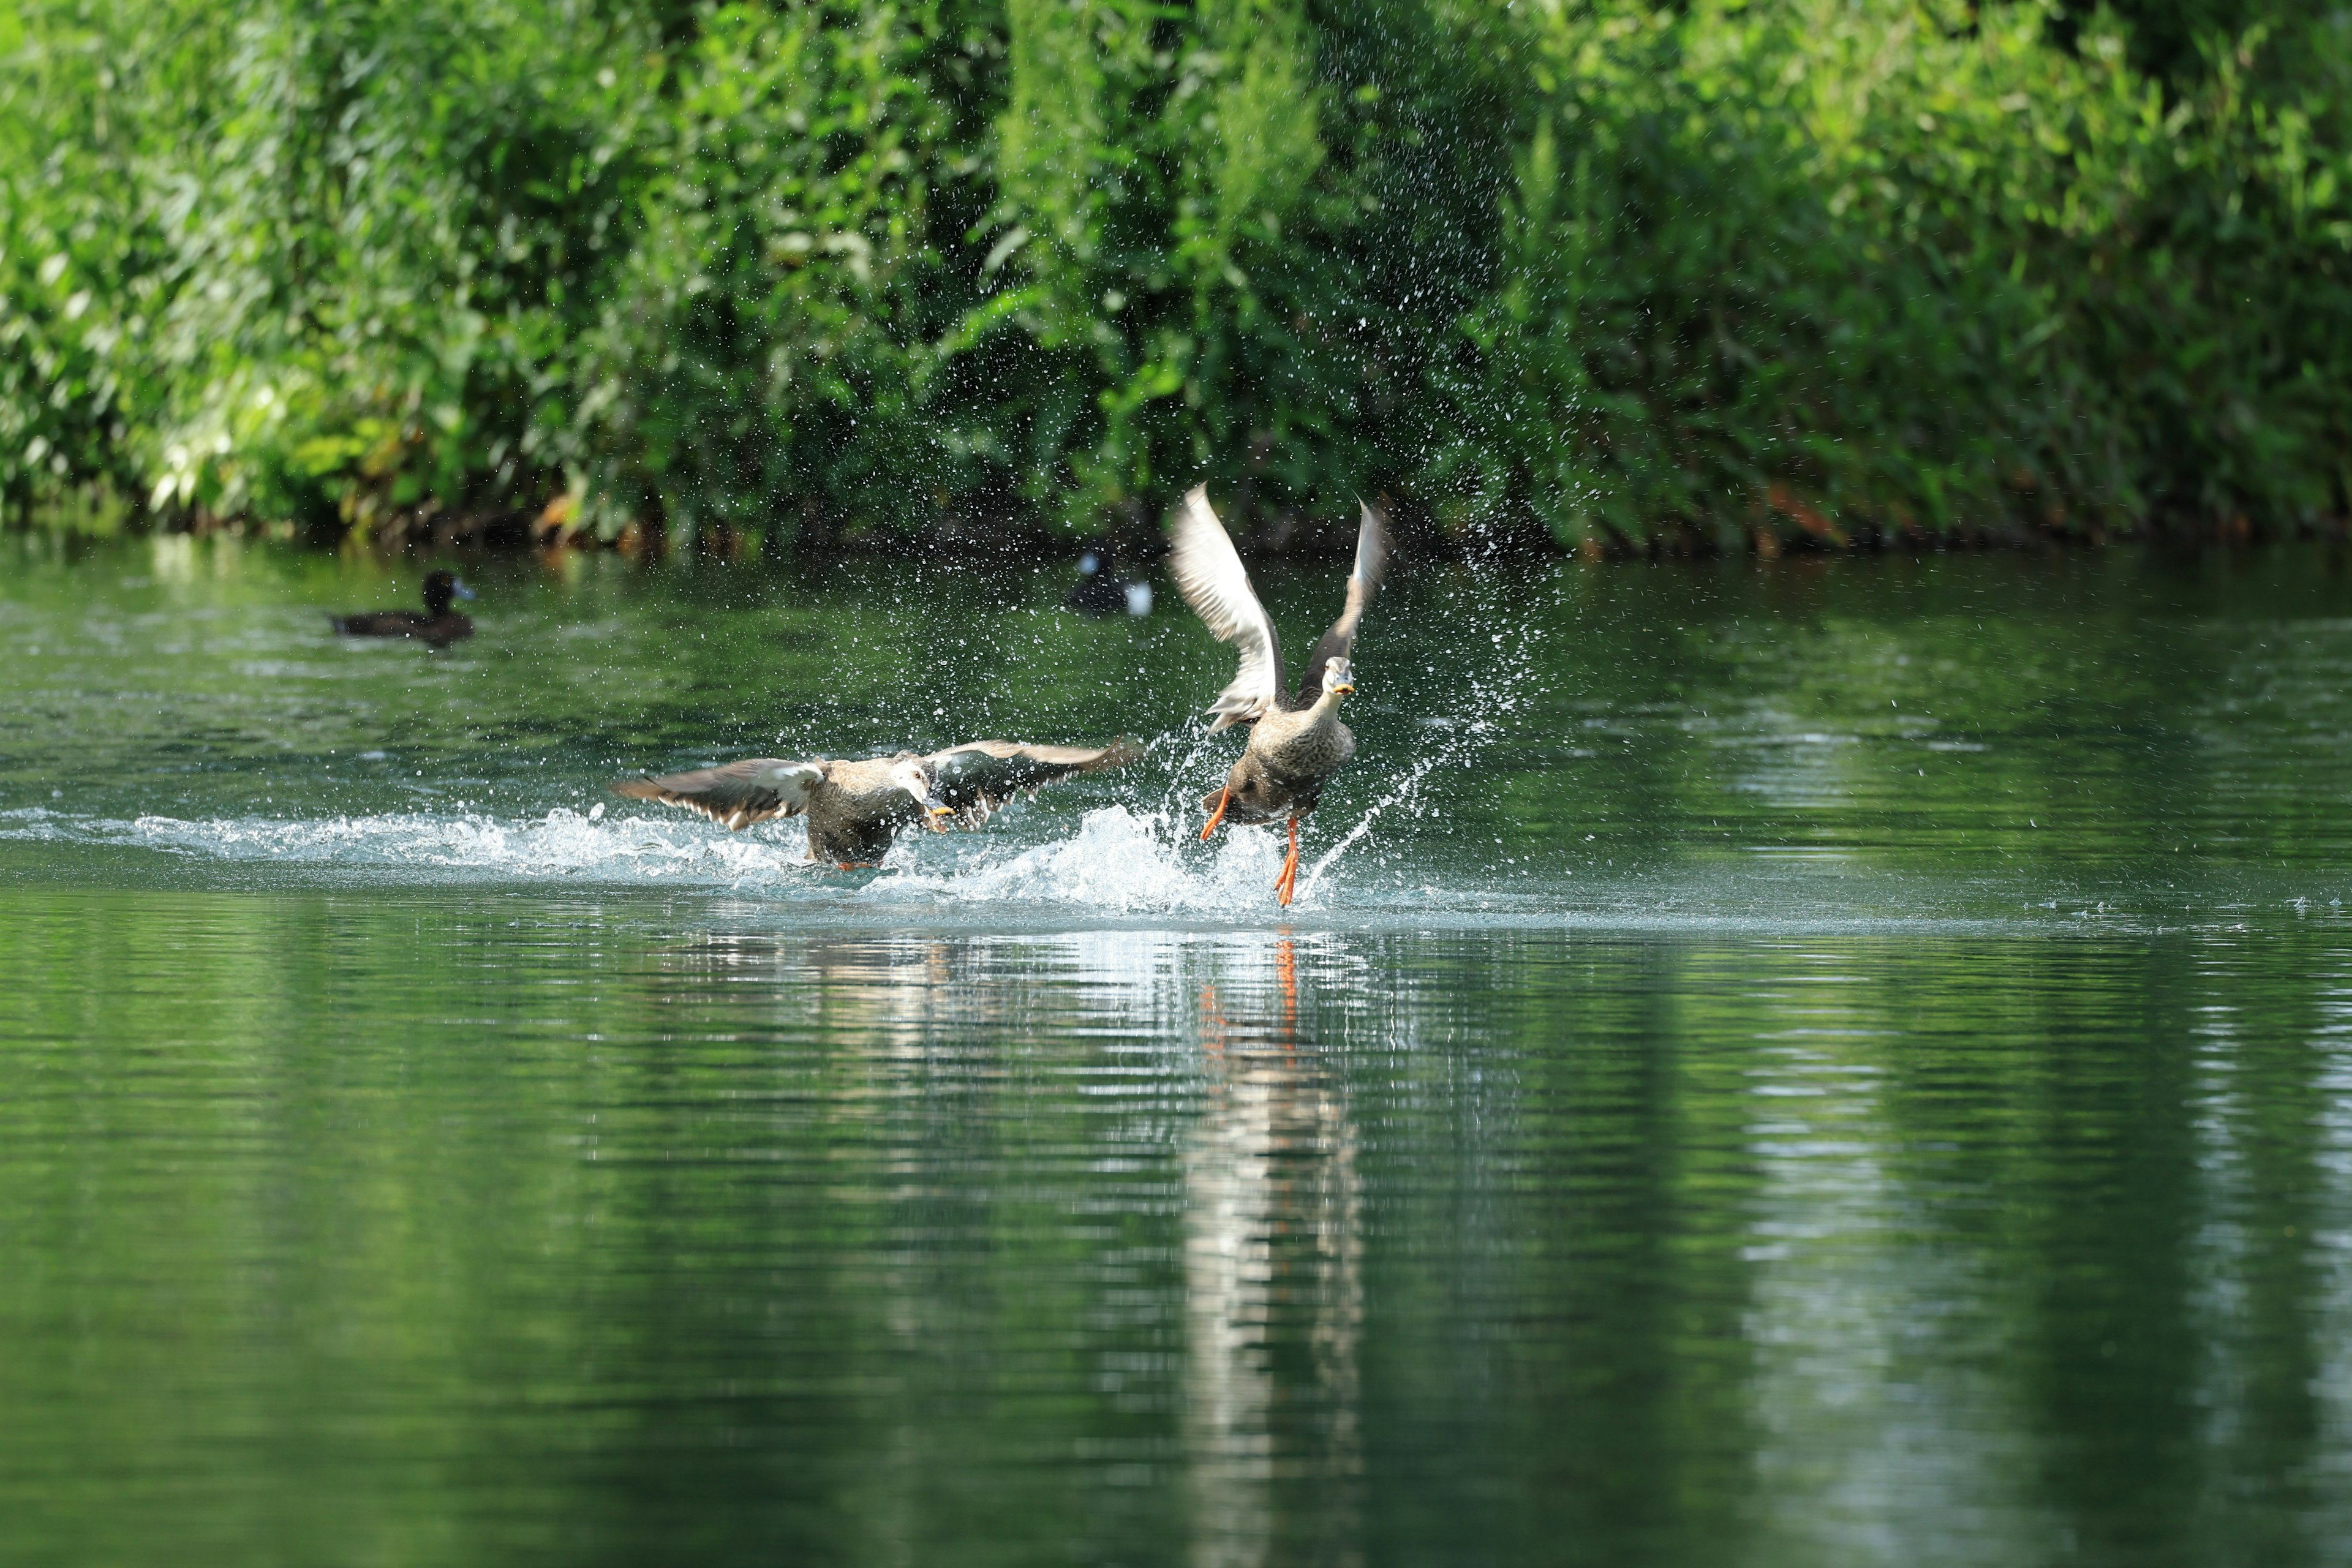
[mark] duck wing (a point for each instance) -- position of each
(735, 796)
(979, 777)
(1340, 642)
(1209, 573)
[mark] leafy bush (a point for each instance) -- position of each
(1702, 274)
(773, 338)
(1831, 268)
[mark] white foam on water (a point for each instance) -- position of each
(563, 843)
(1120, 865)
(1117, 863)
(33, 825)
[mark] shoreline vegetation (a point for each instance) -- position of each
(800, 279)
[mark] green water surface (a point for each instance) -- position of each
(1833, 1061)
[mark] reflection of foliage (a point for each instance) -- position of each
(871, 264)
(865, 1213)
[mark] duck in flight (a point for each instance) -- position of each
(1296, 741)
(855, 809)
(439, 625)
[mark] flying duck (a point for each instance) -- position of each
(855, 809)
(439, 625)
(1296, 741)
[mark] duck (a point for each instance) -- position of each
(1100, 591)
(855, 809)
(1296, 741)
(438, 625)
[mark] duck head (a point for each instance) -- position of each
(1338, 680)
(915, 778)
(440, 587)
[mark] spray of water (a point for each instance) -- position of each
(1403, 791)
(1493, 679)
(1188, 751)
(1141, 856)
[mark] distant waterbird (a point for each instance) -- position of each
(1296, 741)
(438, 625)
(1101, 590)
(855, 808)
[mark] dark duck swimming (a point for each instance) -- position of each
(1296, 741)
(1100, 591)
(437, 623)
(855, 808)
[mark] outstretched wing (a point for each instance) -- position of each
(976, 779)
(1209, 573)
(735, 796)
(1340, 642)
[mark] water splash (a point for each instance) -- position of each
(1186, 750)
(1495, 678)
(1119, 863)
(563, 843)
(1406, 791)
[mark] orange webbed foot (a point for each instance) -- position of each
(1286, 886)
(1225, 799)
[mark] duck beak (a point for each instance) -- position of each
(462, 592)
(937, 815)
(1345, 688)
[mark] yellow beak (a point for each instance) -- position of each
(937, 817)
(1345, 689)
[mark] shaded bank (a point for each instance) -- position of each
(971, 271)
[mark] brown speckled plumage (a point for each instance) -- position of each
(855, 808)
(1290, 756)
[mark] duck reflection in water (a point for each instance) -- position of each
(1274, 1278)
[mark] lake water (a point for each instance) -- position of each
(1829, 1061)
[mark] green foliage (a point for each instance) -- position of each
(1148, 176)
(891, 266)
(772, 344)
(1829, 266)
(309, 259)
